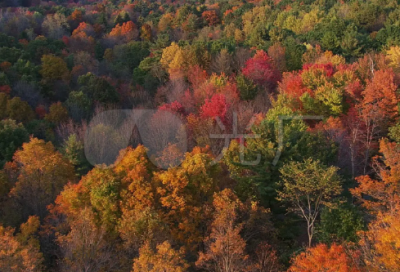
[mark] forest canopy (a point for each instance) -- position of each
(199, 135)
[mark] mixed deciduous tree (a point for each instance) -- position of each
(55, 25)
(308, 186)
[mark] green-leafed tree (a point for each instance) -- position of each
(12, 136)
(307, 187)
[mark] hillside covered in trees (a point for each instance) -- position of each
(270, 140)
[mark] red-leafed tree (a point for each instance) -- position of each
(292, 85)
(217, 106)
(380, 97)
(261, 70)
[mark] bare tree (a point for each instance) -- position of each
(240, 58)
(86, 247)
(222, 63)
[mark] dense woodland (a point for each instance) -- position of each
(330, 203)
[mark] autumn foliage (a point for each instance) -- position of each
(324, 258)
(221, 136)
(261, 70)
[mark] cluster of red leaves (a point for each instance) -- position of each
(327, 68)
(215, 107)
(5, 89)
(173, 107)
(293, 86)
(261, 70)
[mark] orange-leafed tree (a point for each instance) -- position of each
(83, 28)
(123, 199)
(197, 76)
(140, 220)
(98, 190)
(21, 252)
(380, 244)
(127, 32)
(82, 38)
(378, 109)
(41, 173)
(186, 193)
(211, 17)
(324, 258)
(166, 22)
(77, 16)
(165, 259)
(380, 97)
(382, 194)
(225, 248)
